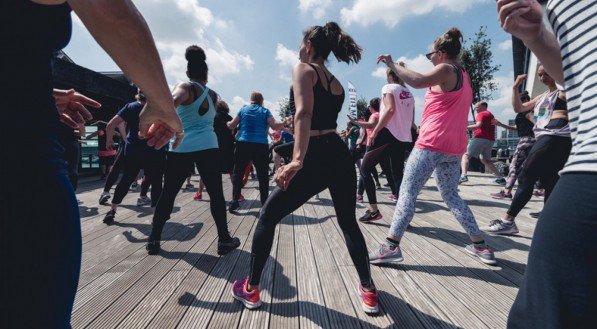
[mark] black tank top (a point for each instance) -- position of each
(31, 34)
(326, 105)
(523, 125)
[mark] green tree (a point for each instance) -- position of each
(362, 107)
(286, 109)
(477, 59)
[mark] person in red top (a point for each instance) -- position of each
(481, 143)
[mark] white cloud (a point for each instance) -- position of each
(418, 64)
(316, 7)
(177, 25)
(286, 59)
(505, 45)
(391, 12)
(501, 105)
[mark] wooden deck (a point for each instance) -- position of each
(309, 282)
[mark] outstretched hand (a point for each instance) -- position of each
(521, 18)
(386, 59)
(71, 107)
(158, 126)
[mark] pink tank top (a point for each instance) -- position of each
(370, 131)
(445, 118)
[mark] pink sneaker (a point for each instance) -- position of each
(501, 195)
(393, 197)
(249, 298)
(369, 300)
(198, 196)
(241, 198)
(359, 198)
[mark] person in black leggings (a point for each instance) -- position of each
(253, 122)
(320, 160)
(195, 105)
(547, 156)
(137, 155)
(40, 244)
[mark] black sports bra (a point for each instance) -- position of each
(326, 105)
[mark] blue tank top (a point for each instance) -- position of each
(198, 129)
(253, 124)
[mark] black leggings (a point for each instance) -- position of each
(559, 288)
(327, 164)
(152, 164)
(115, 170)
(177, 170)
(259, 154)
(385, 145)
(547, 156)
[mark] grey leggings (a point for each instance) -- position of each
(419, 167)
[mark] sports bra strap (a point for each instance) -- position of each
(458, 77)
(326, 78)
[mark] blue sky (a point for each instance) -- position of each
(252, 45)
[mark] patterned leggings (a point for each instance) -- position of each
(419, 167)
(522, 151)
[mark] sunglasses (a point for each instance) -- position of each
(428, 55)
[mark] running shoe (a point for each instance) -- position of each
(134, 185)
(189, 186)
(385, 255)
(104, 197)
(143, 201)
(485, 254)
(369, 300)
(226, 247)
(153, 247)
(233, 206)
(463, 179)
(499, 181)
(249, 298)
(253, 177)
(501, 195)
(370, 216)
(198, 196)
(241, 198)
(499, 226)
(378, 186)
(359, 198)
(535, 214)
(538, 193)
(393, 197)
(109, 218)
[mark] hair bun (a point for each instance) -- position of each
(195, 54)
(454, 34)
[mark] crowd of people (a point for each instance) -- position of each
(169, 134)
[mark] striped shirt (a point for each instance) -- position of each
(575, 25)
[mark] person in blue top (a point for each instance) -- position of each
(196, 107)
(253, 122)
(137, 155)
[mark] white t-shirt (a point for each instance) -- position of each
(404, 111)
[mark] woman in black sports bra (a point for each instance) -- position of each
(320, 160)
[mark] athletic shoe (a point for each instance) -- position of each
(538, 193)
(485, 254)
(143, 201)
(109, 218)
(463, 179)
(369, 300)
(233, 206)
(535, 214)
(153, 247)
(500, 226)
(393, 197)
(369, 216)
(189, 186)
(253, 177)
(385, 255)
(241, 198)
(134, 185)
(198, 196)
(226, 247)
(499, 181)
(501, 195)
(359, 198)
(378, 186)
(249, 298)
(104, 197)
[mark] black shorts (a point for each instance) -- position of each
(107, 160)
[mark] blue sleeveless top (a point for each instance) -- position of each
(198, 129)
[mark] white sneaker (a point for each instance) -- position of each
(104, 197)
(143, 201)
(500, 226)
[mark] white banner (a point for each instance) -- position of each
(352, 100)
